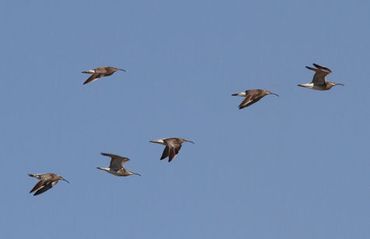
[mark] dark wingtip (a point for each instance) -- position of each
(321, 67)
(37, 193)
(310, 68)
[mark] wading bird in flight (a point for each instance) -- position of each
(116, 165)
(173, 146)
(252, 96)
(46, 181)
(100, 72)
(318, 82)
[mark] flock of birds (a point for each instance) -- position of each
(172, 145)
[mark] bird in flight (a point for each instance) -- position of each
(173, 146)
(318, 82)
(116, 165)
(46, 181)
(252, 96)
(100, 72)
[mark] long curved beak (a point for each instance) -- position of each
(138, 174)
(65, 180)
(339, 84)
(272, 93)
(122, 69)
(189, 141)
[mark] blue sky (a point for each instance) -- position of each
(294, 166)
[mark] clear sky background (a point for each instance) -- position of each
(294, 166)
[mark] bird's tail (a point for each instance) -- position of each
(239, 94)
(34, 175)
(157, 141)
(89, 72)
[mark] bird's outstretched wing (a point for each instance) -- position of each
(320, 73)
(116, 160)
(93, 77)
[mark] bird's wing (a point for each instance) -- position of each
(173, 152)
(113, 155)
(116, 160)
(44, 188)
(322, 68)
(177, 149)
(319, 78)
(249, 100)
(320, 73)
(92, 78)
(39, 184)
(117, 163)
(166, 152)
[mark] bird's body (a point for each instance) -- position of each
(100, 72)
(252, 96)
(318, 82)
(116, 165)
(173, 146)
(46, 181)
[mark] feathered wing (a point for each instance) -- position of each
(116, 160)
(117, 163)
(323, 68)
(38, 186)
(92, 78)
(166, 152)
(319, 78)
(173, 152)
(320, 73)
(249, 100)
(45, 187)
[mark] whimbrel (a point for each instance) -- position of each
(46, 181)
(116, 165)
(318, 82)
(100, 72)
(252, 96)
(173, 146)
